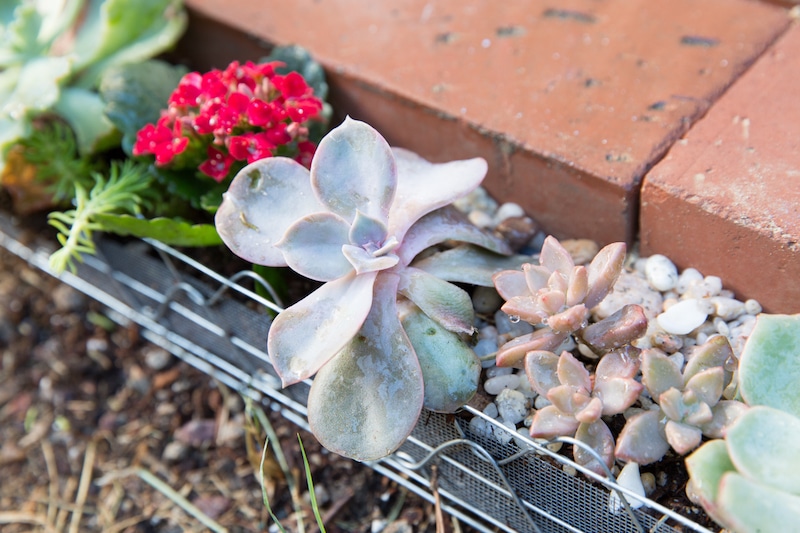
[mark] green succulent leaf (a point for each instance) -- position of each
(706, 466)
(135, 93)
(752, 507)
(367, 399)
(468, 264)
(167, 230)
(442, 301)
(450, 368)
(84, 112)
(769, 367)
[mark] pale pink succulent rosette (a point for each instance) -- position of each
(355, 222)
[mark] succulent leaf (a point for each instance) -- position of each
(312, 247)
(752, 507)
(354, 170)
(366, 231)
(578, 285)
(263, 201)
(468, 264)
(569, 320)
(424, 186)
(616, 393)
(712, 353)
(367, 399)
(511, 283)
(308, 334)
(572, 372)
(616, 330)
(541, 367)
(550, 422)
(603, 272)
(450, 368)
(642, 439)
(598, 437)
(444, 224)
(707, 385)
(536, 278)
(682, 437)
(723, 415)
(442, 301)
(513, 352)
(555, 258)
(659, 373)
(706, 466)
(769, 367)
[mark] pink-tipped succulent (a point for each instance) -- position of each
(380, 330)
(688, 403)
(579, 400)
(556, 294)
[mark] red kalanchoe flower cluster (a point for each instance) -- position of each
(244, 113)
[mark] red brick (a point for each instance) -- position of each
(726, 199)
(570, 106)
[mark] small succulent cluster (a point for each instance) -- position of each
(243, 113)
(750, 480)
(383, 334)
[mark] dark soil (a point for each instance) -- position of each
(89, 411)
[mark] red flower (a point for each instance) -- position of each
(157, 139)
(293, 85)
(302, 109)
(187, 92)
(250, 146)
(306, 150)
(217, 164)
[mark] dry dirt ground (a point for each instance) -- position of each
(102, 431)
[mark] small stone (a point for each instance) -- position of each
(661, 273)
(727, 308)
(752, 307)
(649, 483)
(485, 300)
(630, 479)
(480, 219)
(512, 406)
(506, 325)
(684, 316)
(508, 210)
(687, 278)
(582, 251)
(157, 358)
(67, 299)
(174, 451)
(495, 385)
(541, 402)
(491, 410)
(710, 286)
(498, 371)
(630, 288)
(517, 231)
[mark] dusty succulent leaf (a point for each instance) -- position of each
(764, 444)
(659, 373)
(569, 320)
(707, 385)
(550, 422)
(769, 366)
(450, 368)
(424, 186)
(511, 284)
(263, 201)
(513, 352)
(682, 437)
(642, 439)
(541, 367)
(614, 381)
(312, 246)
(621, 363)
(572, 372)
(616, 330)
(468, 264)
(725, 413)
(447, 223)
(590, 412)
(555, 258)
(442, 301)
(577, 286)
(598, 437)
(751, 507)
(308, 334)
(712, 353)
(354, 171)
(536, 278)
(603, 272)
(367, 399)
(568, 399)
(525, 308)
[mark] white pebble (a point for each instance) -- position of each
(630, 479)
(752, 307)
(722, 326)
(488, 332)
(479, 426)
(480, 219)
(684, 316)
(630, 288)
(688, 277)
(727, 308)
(710, 286)
(512, 406)
(541, 402)
(662, 274)
(495, 385)
(485, 347)
(498, 371)
(513, 328)
(508, 210)
(490, 410)
(525, 387)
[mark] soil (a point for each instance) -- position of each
(89, 412)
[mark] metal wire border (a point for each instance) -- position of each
(266, 388)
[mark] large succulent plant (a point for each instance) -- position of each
(356, 222)
(688, 403)
(579, 401)
(558, 295)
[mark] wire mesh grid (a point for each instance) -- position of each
(189, 310)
